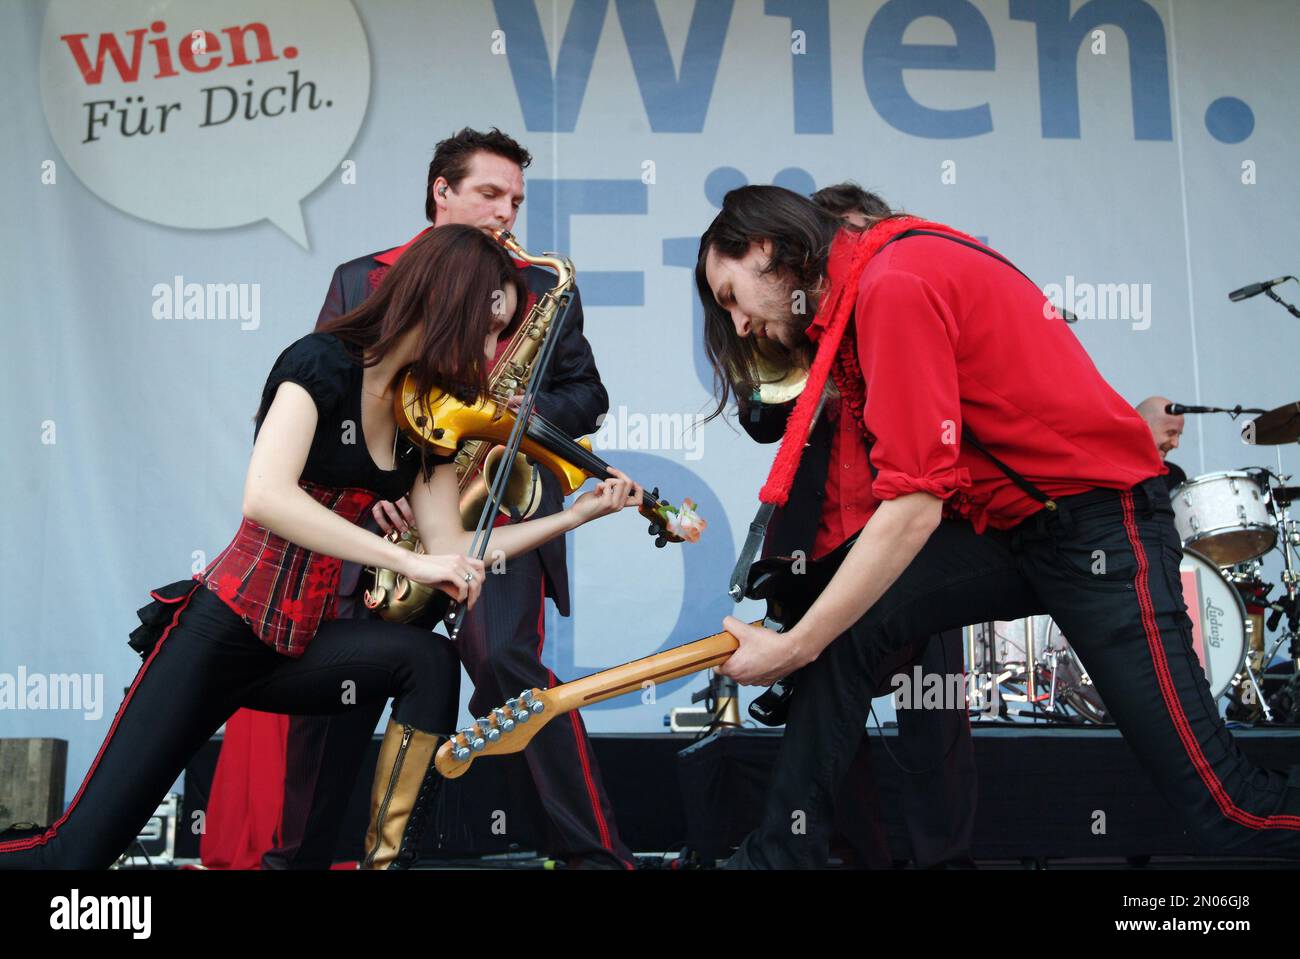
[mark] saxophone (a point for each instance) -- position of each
(478, 461)
(395, 597)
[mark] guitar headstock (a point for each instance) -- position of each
(672, 524)
(507, 729)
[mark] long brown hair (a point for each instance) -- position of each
(801, 234)
(447, 283)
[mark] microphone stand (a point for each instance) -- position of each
(1277, 299)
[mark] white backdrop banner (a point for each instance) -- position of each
(182, 177)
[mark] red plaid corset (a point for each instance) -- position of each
(282, 591)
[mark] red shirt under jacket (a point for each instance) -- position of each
(947, 335)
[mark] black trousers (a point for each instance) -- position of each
(937, 759)
(205, 667)
(500, 645)
(1105, 567)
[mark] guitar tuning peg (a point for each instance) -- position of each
(661, 541)
(458, 747)
(654, 494)
(476, 742)
(503, 719)
(490, 731)
(654, 529)
(531, 703)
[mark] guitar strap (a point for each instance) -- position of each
(758, 527)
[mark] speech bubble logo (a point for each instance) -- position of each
(200, 115)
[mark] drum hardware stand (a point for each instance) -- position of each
(1051, 694)
(981, 679)
(1031, 663)
(1290, 537)
(1289, 605)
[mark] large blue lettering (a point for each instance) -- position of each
(810, 66)
(550, 101)
(885, 56)
(1059, 38)
(674, 103)
(552, 203)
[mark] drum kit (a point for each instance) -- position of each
(1229, 522)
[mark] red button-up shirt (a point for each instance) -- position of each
(848, 502)
(947, 335)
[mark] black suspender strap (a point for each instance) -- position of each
(956, 239)
(1030, 489)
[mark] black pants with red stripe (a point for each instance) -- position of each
(1105, 567)
(207, 665)
(501, 647)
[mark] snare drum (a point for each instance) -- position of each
(1226, 517)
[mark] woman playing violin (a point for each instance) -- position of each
(255, 628)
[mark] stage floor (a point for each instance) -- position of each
(1040, 790)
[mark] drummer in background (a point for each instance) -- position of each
(1165, 429)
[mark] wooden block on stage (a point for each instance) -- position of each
(32, 775)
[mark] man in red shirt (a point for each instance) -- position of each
(933, 751)
(1009, 480)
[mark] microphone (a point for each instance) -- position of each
(1178, 409)
(1255, 289)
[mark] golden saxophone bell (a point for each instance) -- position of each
(787, 388)
(780, 380)
(523, 489)
(397, 598)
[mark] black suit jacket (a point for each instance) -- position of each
(571, 395)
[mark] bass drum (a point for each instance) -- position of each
(1218, 638)
(1218, 620)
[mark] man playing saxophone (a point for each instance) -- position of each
(475, 179)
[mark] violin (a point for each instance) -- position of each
(441, 422)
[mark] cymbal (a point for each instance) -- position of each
(1278, 426)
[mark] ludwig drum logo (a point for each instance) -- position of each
(201, 115)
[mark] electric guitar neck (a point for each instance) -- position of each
(512, 725)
